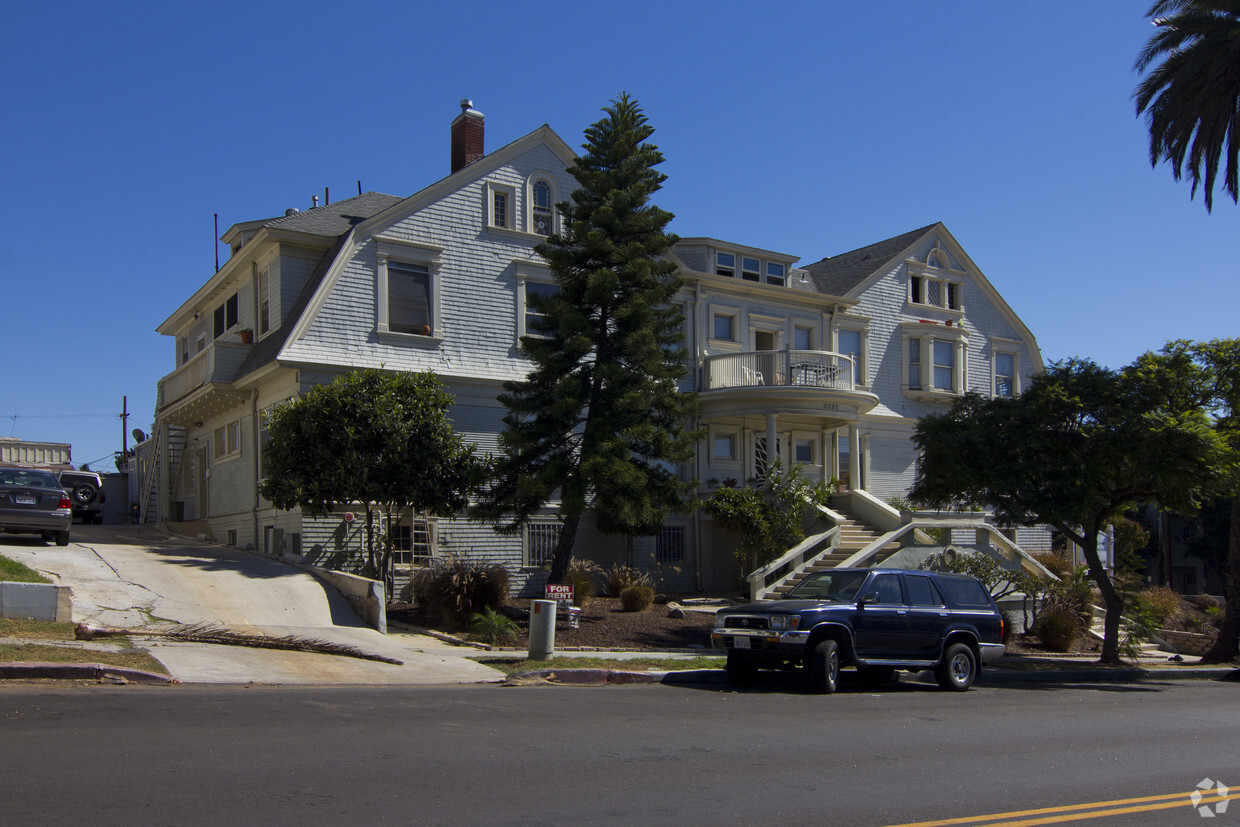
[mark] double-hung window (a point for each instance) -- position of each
(850, 344)
(725, 264)
(227, 440)
(264, 305)
(1005, 374)
(409, 298)
(751, 269)
(408, 293)
(534, 317)
(944, 365)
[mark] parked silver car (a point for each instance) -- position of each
(33, 502)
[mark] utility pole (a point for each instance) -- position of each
(124, 426)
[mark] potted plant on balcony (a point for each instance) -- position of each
(247, 337)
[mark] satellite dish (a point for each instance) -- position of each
(138, 436)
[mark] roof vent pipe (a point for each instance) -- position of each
(315, 199)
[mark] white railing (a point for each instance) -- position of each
(786, 368)
(218, 363)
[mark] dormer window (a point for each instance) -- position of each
(725, 265)
(751, 269)
(775, 273)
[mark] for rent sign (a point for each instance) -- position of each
(560, 592)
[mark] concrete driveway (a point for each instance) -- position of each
(132, 576)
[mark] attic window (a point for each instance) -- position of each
(933, 292)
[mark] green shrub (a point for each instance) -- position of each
(456, 589)
(636, 598)
(493, 627)
(1206, 603)
(621, 577)
(1058, 628)
(1160, 603)
(583, 575)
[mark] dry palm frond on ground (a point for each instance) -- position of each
(210, 633)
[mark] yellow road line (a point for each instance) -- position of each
(1071, 812)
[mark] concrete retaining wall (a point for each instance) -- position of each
(36, 601)
(366, 596)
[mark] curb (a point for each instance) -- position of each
(988, 677)
(83, 671)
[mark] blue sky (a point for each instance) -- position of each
(807, 128)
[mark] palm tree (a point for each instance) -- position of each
(1191, 100)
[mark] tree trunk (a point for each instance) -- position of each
(1227, 647)
(1110, 597)
(370, 540)
(563, 554)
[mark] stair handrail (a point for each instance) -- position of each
(758, 587)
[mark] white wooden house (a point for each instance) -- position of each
(828, 365)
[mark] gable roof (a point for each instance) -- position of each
(838, 275)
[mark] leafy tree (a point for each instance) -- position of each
(1217, 364)
(1076, 450)
(1191, 100)
(768, 514)
(380, 439)
(599, 419)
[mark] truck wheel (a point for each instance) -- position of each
(824, 668)
(740, 669)
(958, 668)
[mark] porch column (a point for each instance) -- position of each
(854, 456)
(772, 440)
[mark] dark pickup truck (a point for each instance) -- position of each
(878, 620)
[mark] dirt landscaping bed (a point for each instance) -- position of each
(604, 625)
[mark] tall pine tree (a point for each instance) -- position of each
(599, 420)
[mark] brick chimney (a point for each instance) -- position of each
(467, 136)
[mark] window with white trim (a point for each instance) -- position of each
(408, 290)
(725, 264)
(803, 450)
(669, 544)
(528, 316)
(724, 445)
(227, 440)
(775, 273)
(851, 342)
(934, 360)
(540, 542)
(409, 298)
(751, 269)
(1005, 374)
(802, 338)
(501, 205)
(723, 326)
(541, 214)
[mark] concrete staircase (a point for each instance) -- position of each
(855, 534)
(1097, 631)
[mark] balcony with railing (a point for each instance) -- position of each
(809, 381)
(201, 386)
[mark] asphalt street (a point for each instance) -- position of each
(616, 755)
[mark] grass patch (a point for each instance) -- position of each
(42, 653)
(15, 572)
(35, 629)
(514, 666)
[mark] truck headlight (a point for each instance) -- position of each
(788, 622)
(719, 621)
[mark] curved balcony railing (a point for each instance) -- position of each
(786, 368)
(217, 364)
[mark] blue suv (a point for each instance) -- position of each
(878, 620)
